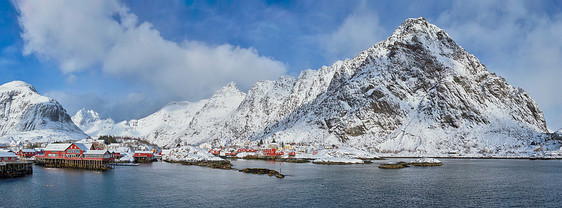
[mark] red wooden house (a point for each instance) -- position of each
(270, 152)
(214, 152)
(102, 155)
(65, 150)
(27, 152)
(144, 156)
(6, 156)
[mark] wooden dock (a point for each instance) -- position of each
(76, 163)
(15, 169)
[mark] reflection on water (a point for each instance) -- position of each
(458, 183)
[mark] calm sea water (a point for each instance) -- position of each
(459, 183)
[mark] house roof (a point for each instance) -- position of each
(81, 146)
(95, 152)
(144, 152)
(28, 150)
(57, 146)
(89, 146)
(7, 154)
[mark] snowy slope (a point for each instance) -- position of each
(160, 125)
(27, 115)
(169, 125)
(415, 93)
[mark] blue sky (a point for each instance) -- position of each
(126, 59)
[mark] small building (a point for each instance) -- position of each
(103, 155)
(270, 152)
(144, 156)
(273, 145)
(113, 146)
(6, 156)
(27, 152)
(68, 150)
(56, 150)
(39, 151)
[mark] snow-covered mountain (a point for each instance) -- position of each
(417, 92)
(27, 115)
(165, 126)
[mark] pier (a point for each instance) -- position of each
(15, 169)
(78, 163)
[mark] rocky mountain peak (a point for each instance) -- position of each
(417, 26)
(17, 85)
(84, 116)
(422, 37)
(25, 114)
(228, 90)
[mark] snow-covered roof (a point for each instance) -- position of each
(122, 150)
(89, 146)
(81, 146)
(95, 152)
(28, 150)
(7, 154)
(141, 152)
(57, 146)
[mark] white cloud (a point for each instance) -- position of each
(519, 41)
(83, 35)
(359, 30)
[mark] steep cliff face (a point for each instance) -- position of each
(417, 92)
(26, 115)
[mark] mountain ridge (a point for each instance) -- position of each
(416, 92)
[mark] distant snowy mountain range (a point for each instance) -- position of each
(415, 93)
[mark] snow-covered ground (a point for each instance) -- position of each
(426, 160)
(190, 154)
(340, 155)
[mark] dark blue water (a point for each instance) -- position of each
(459, 183)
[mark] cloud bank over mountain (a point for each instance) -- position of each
(82, 36)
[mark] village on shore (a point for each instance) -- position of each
(106, 152)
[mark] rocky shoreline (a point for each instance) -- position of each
(262, 171)
(222, 164)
